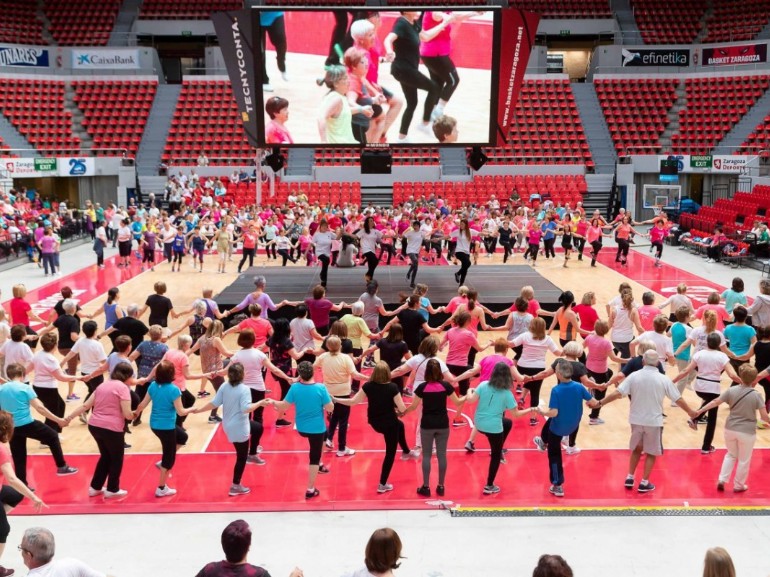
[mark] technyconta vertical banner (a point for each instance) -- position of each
(517, 36)
(237, 38)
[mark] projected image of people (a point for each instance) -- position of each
(394, 75)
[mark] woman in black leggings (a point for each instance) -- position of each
(462, 236)
(402, 47)
(13, 490)
(273, 24)
(369, 237)
(384, 401)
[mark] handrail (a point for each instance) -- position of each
(123, 151)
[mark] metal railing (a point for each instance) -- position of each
(121, 152)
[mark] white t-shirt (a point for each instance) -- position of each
(362, 572)
(16, 353)
(301, 333)
(65, 568)
(252, 360)
(699, 336)
(45, 366)
(413, 241)
(618, 301)
(463, 242)
(663, 344)
(419, 363)
(323, 242)
(622, 326)
(369, 241)
(647, 389)
(534, 351)
(91, 353)
(710, 365)
(5, 332)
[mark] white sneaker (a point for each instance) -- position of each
(348, 452)
(116, 495)
(329, 445)
(437, 111)
(425, 128)
(239, 489)
(95, 492)
(404, 140)
(165, 492)
(573, 450)
(285, 76)
(267, 88)
(384, 488)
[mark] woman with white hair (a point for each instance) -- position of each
(197, 323)
(336, 117)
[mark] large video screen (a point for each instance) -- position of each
(357, 78)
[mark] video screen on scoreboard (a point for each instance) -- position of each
(357, 78)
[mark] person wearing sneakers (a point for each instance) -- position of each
(740, 428)
(338, 370)
(646, 389)
(310, 400)
(111, 404)
(16, 397)
(241, 431)
(565, 409)
(384, 402)
(13, 490)
(495, 397)
(166, 400)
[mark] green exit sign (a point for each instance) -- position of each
(703, 161)
(565, 32)
(186, 32)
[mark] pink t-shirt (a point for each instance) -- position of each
(261, 328)
(47, 244)
(277, 134)
(456, 302)
(722, 314)
(441, 44)
(594, 233)
(373, 72)
(647, 314)
(5, 457)
(597, 358)
(534, 236)
(107, 412)
(180, 361)
(19, 310)
(588, 316)
(657, 234)
(488, 364)
(460, 343)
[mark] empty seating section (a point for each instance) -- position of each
(206, 120)
(714, 106)
(244, 193)
(186, 9)
(36, 109)
(736, 214)
(559, 188)
(349, 156)
(82, 23)
(636, 111)
(566, 8)
(115, 112)
(667, 22)
(545, 128)
(734, 20)
(758, 142)
(19, 22)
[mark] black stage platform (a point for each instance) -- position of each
(497, 285)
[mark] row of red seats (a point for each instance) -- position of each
(185, 9)
(733, 20)
(20, 24)
(666, 22)
(758, 142)
(738, 213)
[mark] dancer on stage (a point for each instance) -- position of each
(322, 241)
(462, 236)
(369, 237)
(413, 240)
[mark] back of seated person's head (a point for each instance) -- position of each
(383, 551)
(718, 563)
(236, 541)
(552, 566)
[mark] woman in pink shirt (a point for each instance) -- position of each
(111, 404)
(534, 234)
(657, 235)
(261, 326)
(48, 247)
(594, 236)
(275, 130)
(713, 304)
(623, 234)
(461, 341)
(600, 352)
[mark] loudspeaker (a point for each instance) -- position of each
(476, 158)
(276, 160)
(376, 162)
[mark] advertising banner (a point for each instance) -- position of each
(737, 54)
(108, 58)
(241, 51)
(517, 36)
(30, 167)
(23, 56)
(729, 163)
(76, 166)
(656, 57)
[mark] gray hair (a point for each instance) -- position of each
(644, 346)
(357, 308)
(360, 28)
(573, 349)
(40, 543)
(260, 281)
(133, 310)
(183, 340)
(69, 306)
(650, 358)
(200, 307)
(564, 369)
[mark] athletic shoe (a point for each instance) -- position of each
(213, 419)
(596, 421)
(424, 491)
(629, 482)
(259, 449)
(440, 490)
(238, 489)
(413, 454)
(115, 495)
(573, 450)
(491, 489)
(457, 277)
(407, 393)
(384, 488)
(346, 452)
(762, 425)
(66, 470)
(94, 492)
(323, 469)
(470, 447)
(165, 492)
(83, 418)
(740, 489)
(72, 397)
(459, 422)
(720, 486)
(533, 422)
(329, 444)
(540, 444)
(312, 493)
(282, 423)
(267, 88)
(556, 490)
(518, 389)
(255, 460)
(708, 451)
(202, 394)
(136, 422)
(645, 487)
(503, 461)
(285, 76)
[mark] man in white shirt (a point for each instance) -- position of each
(37, 550)
(646, 390)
